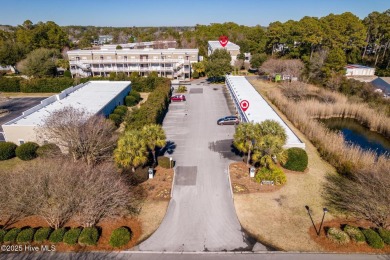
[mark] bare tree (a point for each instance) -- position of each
(292, 67)
(104, 194)
(364, 195)
(85, 136)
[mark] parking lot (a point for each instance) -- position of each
(201, 213)
(15, 107)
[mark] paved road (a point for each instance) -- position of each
(16, 106)
(191, 256)
(201, 214)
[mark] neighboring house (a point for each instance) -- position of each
(171, 63)
(103, 39)
(97, 97)
(258, 109)
(232, 48)
(7, 69)
(356, 70)
(382, 83)
(141, 45)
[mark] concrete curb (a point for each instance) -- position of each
(173, 181)
(230, 182)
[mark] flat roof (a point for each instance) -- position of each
(230, 46)
(357, 66)
(259, 110)
(91, 96)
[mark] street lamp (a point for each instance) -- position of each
(318, 232)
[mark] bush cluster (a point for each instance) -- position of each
(373, 239)
(120, 237)
(71, 236)
(42, 234)
(89, 236)
(57, 235)
(48, 150)
(297, 159)
(118, 115)
(27, 151)
(26, 235)
(338, 236)
(385, 235)
(154, 109)
(133, 98)
(11, 235)
(274, 174)
(7, 150)
(355, 234)
(164, 162)
(10, 84)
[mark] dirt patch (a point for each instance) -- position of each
(243, 183)
(348, 248)
(159, 188)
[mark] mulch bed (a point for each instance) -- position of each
(106, 226)
(159, 188)
(242, 183)
(351, 247)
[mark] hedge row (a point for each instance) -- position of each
(10, 84)
(133, 98)
(374, 238)
(86, 236)
(27, 151)
(118, 115)
(154, 109)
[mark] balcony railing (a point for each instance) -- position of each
(95, 61)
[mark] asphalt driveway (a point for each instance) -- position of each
(201, 214)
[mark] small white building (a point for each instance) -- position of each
(356, 70)
(232, 48)
(96, 97)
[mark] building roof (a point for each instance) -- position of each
(92, 96)
(230, 46)
(357, 66)
(134, 51)
(259, 110)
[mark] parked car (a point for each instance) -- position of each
(178, 98)
(228, 120)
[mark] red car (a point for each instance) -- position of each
(178, 98)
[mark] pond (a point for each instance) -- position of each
(357, 134)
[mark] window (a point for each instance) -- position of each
(21, 141)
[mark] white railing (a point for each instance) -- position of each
(106, 69)
(72, 62)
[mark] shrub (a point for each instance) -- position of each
(164, 162)
(2, 234)
(130, 101)
(67, 74)
(10, 84)
(117, 119)
(274, 174)
(89, 236)
(42, 234)
(72, 235)
(120, 237)
(195, 75)
(122, 108)
(119, 112)
(181, 89)
(27, 151)
(26, 235)
(11, 235)
(7, 150)
(385, 235)
(355, 234)
(338, 236)
(57, 235)
(297, 159)
(373, 239)
(48, 150)
(46, 85)
(136, 95)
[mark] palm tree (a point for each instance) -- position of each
(244, 138)
(131, 150)
(154, 137)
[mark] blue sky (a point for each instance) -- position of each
(178, 12)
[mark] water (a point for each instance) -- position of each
(357, 134)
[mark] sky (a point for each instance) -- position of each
(122, 13)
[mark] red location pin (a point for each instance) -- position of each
(223, 40)
(244, 105)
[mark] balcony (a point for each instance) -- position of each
(126, 61)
